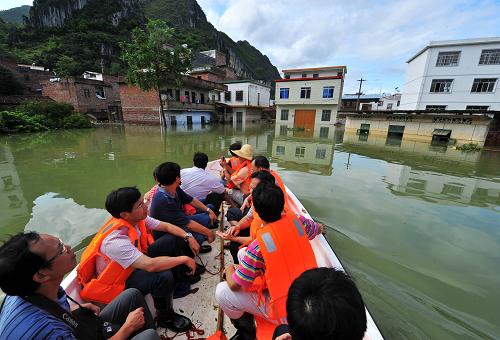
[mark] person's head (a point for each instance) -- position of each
(324, 303)
(234, 146)
(260, 163)
(261, 177)
(268, 201)
(29, 259)
(245, 153)
(200, 160)
(127, 203)
(168, 173)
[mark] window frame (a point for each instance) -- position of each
(326, 112)
(328, 88)
(449, 54)
(285, 111)
(478, 81)
(496, 56)
(284, 90)
(239, 92)
(389, 106)
(227, 96)
(306, 91)
(444, 81)
(280, 150)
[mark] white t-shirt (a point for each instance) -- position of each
(118, 247)
(199, 183)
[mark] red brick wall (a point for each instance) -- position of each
(139, 106)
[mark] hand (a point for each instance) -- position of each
(210, 237)
(191, 264)
(135, 320)
(212, 215)
(233, 231)
(194, 245)
(96, 310)
(229, 271)
(321, 228)
(225, 236)
(285, 336)
(222, 162)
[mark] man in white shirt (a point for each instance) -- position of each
(200, 184)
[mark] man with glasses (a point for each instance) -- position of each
(32, 267)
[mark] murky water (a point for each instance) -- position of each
(418, 226)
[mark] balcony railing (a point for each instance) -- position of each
(175, 105)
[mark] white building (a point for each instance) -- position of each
(388, 102)
(247, 98)
(454, 75)
(309, 97)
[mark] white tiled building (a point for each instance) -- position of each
(309, 97)
(454, 75)
(247, 99)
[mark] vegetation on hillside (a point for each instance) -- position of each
(41, 116)
(15, 15)
(8, 84)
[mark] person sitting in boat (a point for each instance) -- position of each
(238, 182)
(279, 254)
(123, 255)
(323, 304)
(32, 267)
(239, 233)
(232, 163)
(167, 205)
(202, 185)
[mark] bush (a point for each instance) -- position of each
(54, 113)
(469, 147)
(20, 122)
(76, 121)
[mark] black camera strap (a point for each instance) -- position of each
(88, 327)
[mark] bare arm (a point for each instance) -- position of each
(135, 321)
(229, 278)
(177, 231)
(161, 263)
(198, 228)
(197, 204)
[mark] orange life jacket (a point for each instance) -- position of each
(234, 162)
(246, 182)
(111, 281)
(287, 253)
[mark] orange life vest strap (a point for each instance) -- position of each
(246, 180)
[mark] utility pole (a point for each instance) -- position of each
(359, 92)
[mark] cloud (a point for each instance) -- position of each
(371, 38)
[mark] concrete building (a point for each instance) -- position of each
(247, 99)
(366, 101)
(100, 98)
(387, 102)
(454, 75)
(421, 127)
(309, 97)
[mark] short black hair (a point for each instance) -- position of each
(268, 201)
(261, 162)
(264, 176)
(200, 160)
(324, 303)
(18, 264)
(235, 146)
(122, 200)
(167, 173)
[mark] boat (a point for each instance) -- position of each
(202, 308)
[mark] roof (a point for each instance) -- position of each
(354, 96)
(459, 42)
(202, 60)
(325, 68)
(237, 81)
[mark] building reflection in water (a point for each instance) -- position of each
(304, 150)
(429, 171)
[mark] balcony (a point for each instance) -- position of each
(178, 106)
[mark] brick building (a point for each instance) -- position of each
(29, 76)
(100, 98)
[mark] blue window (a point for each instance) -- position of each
(328, 91)
(284, 92)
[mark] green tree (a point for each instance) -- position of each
(155, 59)
(67, 66)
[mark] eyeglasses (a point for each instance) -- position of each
(62, 249)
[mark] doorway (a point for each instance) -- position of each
(303, 123)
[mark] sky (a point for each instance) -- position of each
(374, 39)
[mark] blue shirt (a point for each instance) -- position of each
(168, 208)
(20, 319)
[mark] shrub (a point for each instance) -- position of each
(76, 121)
(20, 122)
(53, 112)
(469, 147)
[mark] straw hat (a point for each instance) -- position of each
(246, 152)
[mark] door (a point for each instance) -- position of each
(202, 98)
(203, 122)
(304, 123)
(239, 117)
(189, 120)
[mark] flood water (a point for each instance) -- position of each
(416, 225)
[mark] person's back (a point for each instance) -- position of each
(197, 182)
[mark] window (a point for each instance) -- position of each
(326, 115)
(435, 107)
(490, 57)
(323, 132)
(284, 93)
(453, 189)
(300, 151)
(315, 75)
(305, 92)
(280, 150)
(239, 96)
(86, 93)
(304, 75)
(283, 130)
(482, 85)
(380, 103)
(287, 76)
(477, 107)
(284, 114)
(448, 58)
(320, 153)
(328, 91)
(398, 103)
(227, 96)
(441, 85)
(389, 106)
(99, 92)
